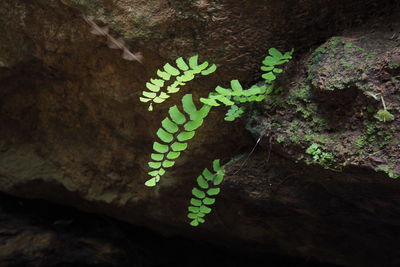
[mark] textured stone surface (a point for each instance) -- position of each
(73, 130)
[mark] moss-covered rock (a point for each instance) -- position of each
(343, 110)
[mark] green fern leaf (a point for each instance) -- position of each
(195, 202)
(210, 70)
(198, 193)
(223, 91)
(149, 94)
(180, 62)
(192, 215)
(193, 125)
(176, 115)
(216, 165)
(210, 102)
(267, 68)
(151, 182)
(188, 106)
(164, 135)
(213, 191)
(224, 100)
(153, 173)
(152, 87)
(177, 146)
(163, 95)
(169, 125)
(275, 53)
(171, 70)
(161, 172)
(218, 179)
(168, 163)
(194, 223)
(158, 82)
(205, 209)
(269, 76)
(186, 77)
(194, 209)
(201, 67)
(208, 201)
(200, 220)
(172, 90)
(193, 61)
(160, 148)
(163, 75)
(236, 86)
(173, 155)
(158, 100)
(154, 165)
(207, 174)
(202, 182)
(185, 136)
(143, 99)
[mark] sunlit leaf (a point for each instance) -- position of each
(171, 70)
(184, 136)
(208, 101)
(164, 75)
(164, 135)
(177, 146)
(160, 148)
(198, 193)
(180, 62)
(143, 99)
(202, 182)
(207, 174)
(208, 201)
(193, 61)
(210, 70)
(149, 94)
(152, 87)
(195, 202)
(205, 209)
(213, 191)
(176, 115)
(168, 163)
(173, 155)
(154, 165)
(157, 157)
(169, 125)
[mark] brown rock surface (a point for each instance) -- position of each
(73, 130)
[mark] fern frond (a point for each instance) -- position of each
(235, 94)
(270, 62)
(177, 77)
(177, 128)
(204, 194)
(234, 112)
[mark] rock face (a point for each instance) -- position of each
(74, 132)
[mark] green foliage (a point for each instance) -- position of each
(203, 195)
(236, 95)
(270, 62)
(384, 115)
(234, 112)
(177, 128)
(176, 77)
(181, 123)
(319, 156)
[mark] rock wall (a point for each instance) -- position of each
(74, 132)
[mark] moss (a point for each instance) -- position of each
(319, 156)
(391, 173)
